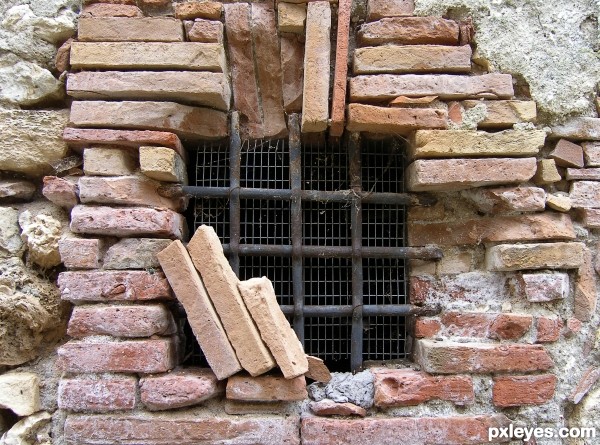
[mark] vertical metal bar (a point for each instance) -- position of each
(296, 222)
(356, 346)
(235, 154)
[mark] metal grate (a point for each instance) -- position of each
(326, 223)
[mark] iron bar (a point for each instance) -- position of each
(234, 198)
(423, 253)
(392, 310)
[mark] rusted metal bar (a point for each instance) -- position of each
(235, 159)
(390, 310)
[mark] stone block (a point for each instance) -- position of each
(101, 161)
(110, 10)
(205, 31)
(462, 143)
(412, 59)
(127, 222)
(266, 388)
(80, 287)
(192, 123)
(401, 121)
(203, 9)
(16, 190)
(579, 128)
(567, 154)
(315, 95)
(409, 31)
(460, 174)
(291, 17)
(61, 191)
(20, 392)
(543, 287)
(121, 321)
(382, 87)
(97, 395)
(148, 56)
(328, 407)
(162, 164)
(497, 200)
(503, 113)
(292, 66)
(135, 253)
(275, 330)
(377, 9)
(80, 253)
(198, 88)
(546, 173)
(585, 194)
(507, 257)
(221, 282)
(591, 151)
(127, 29)
(523, 390)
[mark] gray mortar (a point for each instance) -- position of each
(346, 387)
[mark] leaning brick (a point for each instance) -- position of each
(587, 381)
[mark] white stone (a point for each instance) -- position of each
(25, 83)
(20, 392)
(41, 233)
(26, 431)
(11, 243)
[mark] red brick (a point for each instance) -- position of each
(546, 226)
(133, 356)
(591, 218)
(586, 294)
(587, 381)
(203, 9)
(409, 31)
(126, 222)
(97, 395)
(419, 289)
(182, 429)
(510, 326)
(207, 31)
(405, 387)
(573, 326)
(445, 357)
(317, 370)
(113, 286)
(121, 321)
(426, 327)
(340, 81)
(60, 191)
(568, 154)
(393, 120)
(179, 388)
(463, 430)
(523, 390)
(583, 174)
(16, 190)
(377, 9)
(80, 253)
(543, 287)
(111, 10)
(585, 194)
(467, 324)
(548, 329)
(591, 152)
(266, 388)
(328, 407)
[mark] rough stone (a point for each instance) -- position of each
(116, 29)
(16, 190)
(377, 9)
(393, 120)
(315, 95)
(579, 128)
(543, 287)
(583, 174)
(221, 282)
(405, 387)
(121, 321)
(202, 9)
(291, 17)
(558, 202)
(97, 395)
(11, 243)
(317, 370)
(266, 388)
(20, 392)
(28, 427)
(37, 134)
(503, 113)
(409, 31)
(125, 222)
(591, 151)
(41, 231)
(275, 330)
(106, 286)
(507, 257)
(340, 76)
(445, 357)
(459, 174)
(497, 200)
(162, 164)
(135, 253)
(586, 293)
(206, 31)
(459, 143)
(328, 407)
(523, 390)
(591, 218)
(206, 89)
(544, 226)
(567, 154)
(100, 161)
(63, 54)
(548, 329)
(26, 84)
(80, 253)
(61, 191)
(292, 66)
(148, 55)
(193, 123)
(186, 387)
(546, 173)
(345, 387)
(203, 318)
(587, 381)
(383, 87)
(412, 59)
(585, 194)
(110, 10)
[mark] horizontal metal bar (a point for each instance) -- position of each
(422, 253)
(367, 310)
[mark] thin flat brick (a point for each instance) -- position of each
(110, 10)
(544, 287)
(133, 356)
(459, 143)
(266, 388)
(121, 321)
(193, 10)
(583, 174)
(115, 29)
(192, 123)
(568, 154)
(485, 325)
(315, 96)
(503, 113)
(317, 370)
(203, 319)
(340, 77)
(591, 218)
(459, 174)
(585, 194)
(459, 430)
(101, 161)
(393, 120)
(579, 128)
(383, 87)
(412, 59)
(80, 253)
(186, 387)
(328, 407)
(591, 151)
(409, 31)
(412, 102)
(130, 221)
(586, 292)
(184, 429)
(105, 286)
(162, 164)
(498, 200)
(292, 65)
(548, 329)
(587, 381)
(507, 257)
(97, 395)
(206, 89)
(16, 190)
(221, 282)
(377, 9)
(60, 191)
(134, 253)
(275, 330)
(148, 55)
(405, 387)
(446, 357)
(543, 226)
(523, 390)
